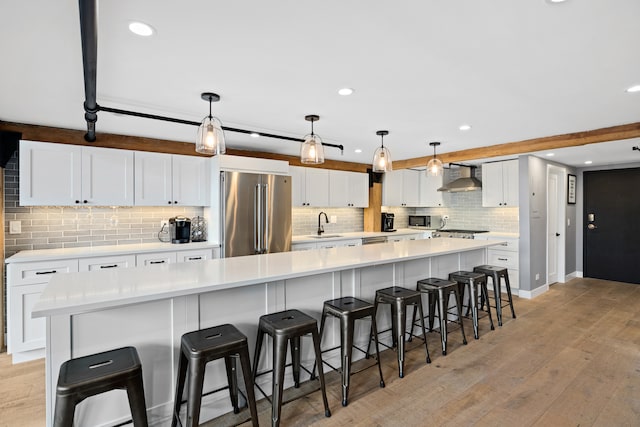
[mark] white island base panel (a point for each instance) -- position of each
(156, 326)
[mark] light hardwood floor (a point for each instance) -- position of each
(571, 358)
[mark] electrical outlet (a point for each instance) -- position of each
(537, 276)
(333, 219)
(445, 217)
(15, 227)
(164, 223)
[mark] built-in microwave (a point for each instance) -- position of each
(431, 222)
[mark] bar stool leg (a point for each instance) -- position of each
(322, 322)
(295, 360)
(194, 391)
(473, 303)
(256, 354)
(316, 346)
(508, 285)
(245, 363)
(497, 291)
(424, 332)
(279, 361)
(399, 325)
(375, 311)
(135, 394)
(394, 326)
(346, 344)
(182, 375)
(459, 309)
(432, 308)
(442, 314)
(374, 331)
(485, 291)
(65, 409)
(230, 365)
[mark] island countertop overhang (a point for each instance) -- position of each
(74, 293)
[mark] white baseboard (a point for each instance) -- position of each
(572, 276)
(534, 293)
(579, 274)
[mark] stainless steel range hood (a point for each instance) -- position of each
(466, 182)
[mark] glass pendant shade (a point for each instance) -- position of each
(434, 167)
(311, 150)
(210, 138)
(382, 160)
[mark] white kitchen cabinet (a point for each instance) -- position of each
(500, 184)
(309, 186)
(170, 179)
(337, 243)
(505, 255)
(303, 246)
(25, 282)
(348, 189)
(195, 255)
(69, 175)
(106, 262)
(430, 197)
(157, 258)
(401, 188)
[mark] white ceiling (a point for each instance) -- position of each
(514, 70)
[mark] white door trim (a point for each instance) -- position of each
(560, 208)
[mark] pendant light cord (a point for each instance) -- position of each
(210, 101)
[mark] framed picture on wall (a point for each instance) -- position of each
(571, 190)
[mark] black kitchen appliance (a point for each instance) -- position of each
(180, 229)
(387, 221)
(427, 222)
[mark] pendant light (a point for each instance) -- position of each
(311, 150)
(382, 157)
(434, 167)
(210, 138)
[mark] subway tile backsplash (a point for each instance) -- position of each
(305, 220)
(53, 227)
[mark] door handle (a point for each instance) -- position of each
(557, 234)
(592, 226)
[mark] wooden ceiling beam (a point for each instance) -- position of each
(613, 133)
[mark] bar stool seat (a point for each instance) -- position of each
(438, 291)
(472, 280)
(98, 373)
(348, 310)
(495, 273)
(399, 298)
(201, 347)
(283, 327)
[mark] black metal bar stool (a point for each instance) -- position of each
(439, 290)
(98, 373)
(495, 273)
(283, 327)
(472, 280)
(348, 310)
(399, 298)
(201, 347)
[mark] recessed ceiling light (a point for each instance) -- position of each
(464, 127)
(255, 135)
(588, 162)
(345, 91)
(555, 1)
(550, 154)
(357, 150)
(635, 88)
(141, 29)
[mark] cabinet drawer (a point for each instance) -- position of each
(194, 255)
(38, 272)
(503, 258)
(303, 246)
(106, 262)
(509, 245)
(159, 258)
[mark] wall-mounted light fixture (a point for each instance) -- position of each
(311, 150)
(210, 139)
(434, 167)
(382, 157)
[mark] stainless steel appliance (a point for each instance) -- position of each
(387, 221)
(180, 229)
(427, 222)
(374, 240)
(458, 234)
(255, 213)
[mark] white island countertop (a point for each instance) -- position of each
(71, 293)
(330, 236)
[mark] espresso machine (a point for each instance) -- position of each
(180, 229)
(387, 221)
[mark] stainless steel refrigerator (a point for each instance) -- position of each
(255, 213)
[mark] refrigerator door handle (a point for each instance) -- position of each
(265, 218)
(257, 219)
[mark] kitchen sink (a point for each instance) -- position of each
(325, 236)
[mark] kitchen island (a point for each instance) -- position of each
(151, 307)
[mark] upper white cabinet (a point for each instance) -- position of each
(500, 184)
(61, 174)
(169, 179)
(430, 197)
(309, 186)
(401, 188)
(348, 189)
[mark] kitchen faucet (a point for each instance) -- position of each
(320, 228)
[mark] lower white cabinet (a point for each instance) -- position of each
(505, 255)
(326, 244)
(401, 237)
(27, 280)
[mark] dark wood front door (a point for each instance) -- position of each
(612, 225)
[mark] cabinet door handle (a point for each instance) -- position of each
(169, 202)
(503, 259)
(504, 244)
(175, 202)
(109, 266)
(157, 262)
(194, 258)
(46, 272)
